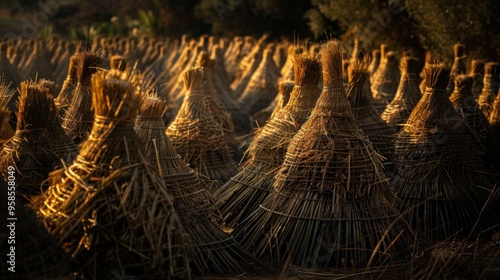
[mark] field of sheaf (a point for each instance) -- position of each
(236, 140)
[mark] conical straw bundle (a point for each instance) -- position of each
(216, 251)
(465, 104)
(493, 144)
(407, 96)
(262, 87)
(78, 118)
(65, 96)
(374, 127)
(110, 210)
(197, 136)
(36, 255)
(459, 65)
(386, 80)
(28, 150)
(491, 83)
(436, 158)
(241, 121)
(239, 197)
(268, 113)
(477, 72)
(8, 72)
(332, 205)
(374, 63)
(6, 94)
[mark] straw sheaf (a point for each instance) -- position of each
(491, 83)
(249, 188)
(459, 65)
(386, 81)
(465, 104)
(329, 190)
(375, 128)
(262, 87)
(6, 94)
(216, 251)
(110, 210)
(407, 95)
(263, 116)
(78, 119)
(197, 136)
(477, 72)
(437, 159)
(28, 150)
(66, 92)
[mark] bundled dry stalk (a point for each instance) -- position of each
(477, 73)
(374, 62)
(427, 62)
(459, 66)
(367, 118)
(491, 84)
(110, 210)
(242, 121)
(65, 96)
(386, 80)
(118, 62)
(239, 197)
(197, 136)
(6, 94)
(28, 150)
(216, 251)
(465, 104)
(262, 87)
(332, 205)
(287, 71)
(37, 254)
(215, 106)
(493, 145)
(8, 72)
(248, 66)
(267, 114)
(78, 118)
(397, 112)
(437, 159)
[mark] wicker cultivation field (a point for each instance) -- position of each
(247, 158)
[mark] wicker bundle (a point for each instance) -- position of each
(376, 72)
(8, 71)
(65, 96)
(197, 136)
(247, 68)
(332, 205)
(465, 104)
(284, 90)
(78, 118)
(436, 158)
(37, 255)
(407, 96)
(6, 94)
(216, 251)
(38, 64)
(491, 83)
(262, 87)
(60, 144)
(110, 210)
(386, 80)
(477, 73)
(28, 150)
(374, 127)
(427, 62)
(287, 69)
(239, 197)
(459, 65)
(374, 63)
(242, 122)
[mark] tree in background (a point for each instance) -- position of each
(440, 24)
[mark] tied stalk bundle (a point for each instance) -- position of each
(78, 118)
(459, 66)
(65, 96)
(477, 73)
(6, 94)
(216, 252)
(110, 210)
(491, 84)
(437, 161)
(465, 104)
(262, 87)
(367, 118)
(28, 151)
(197, 136)
(267, 114)
(241, 195)
(386, 80)
(331, 204)
(397, 112)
